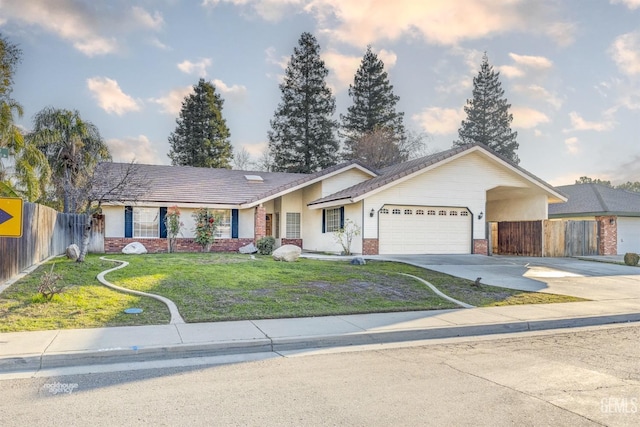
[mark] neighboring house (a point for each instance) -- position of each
(439, 204)
(617, 212)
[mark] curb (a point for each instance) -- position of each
(35, 362)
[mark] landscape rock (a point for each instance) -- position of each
(134, 248)
(358, 261)
(288, 253)
(73, 252)
(248, 249)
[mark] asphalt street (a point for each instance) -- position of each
(581, 377)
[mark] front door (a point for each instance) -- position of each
(267, 227)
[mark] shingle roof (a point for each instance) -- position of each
(596, 199)
(400, 170)
(186, 184)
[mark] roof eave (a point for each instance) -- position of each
(331, 203)
(264, 199)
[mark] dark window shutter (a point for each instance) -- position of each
(234, 223)
(163, 224)
(128, 221)
(323, 220)
(342, 217)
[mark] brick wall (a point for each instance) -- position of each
(260, 223)
(481, 246)
(370, 247)
(608, 235)
(154, 246)
(297, 242)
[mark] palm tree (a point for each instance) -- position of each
(72, 147)
(31, 171)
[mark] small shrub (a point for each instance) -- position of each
(631, 259)
(345, 235)
(265, 245)
(206, 225)
(48, 287)
(173, 224)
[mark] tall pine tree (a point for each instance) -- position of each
(488, 119)
(302, 138)
(201, 137)
(374, 106)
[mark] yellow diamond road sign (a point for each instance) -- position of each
(10, 217)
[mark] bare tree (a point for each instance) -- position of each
(377, 149)
(265, 162)
(242, 160)
(415, 145)
(118, 183)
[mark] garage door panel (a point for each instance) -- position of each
(628, 235)
(417, 230)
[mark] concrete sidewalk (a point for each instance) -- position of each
(34, 351)
(614, 292)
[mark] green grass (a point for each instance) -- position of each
(216, 287)
(85, 303)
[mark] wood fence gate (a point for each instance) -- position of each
(571, 238)
(545, 238)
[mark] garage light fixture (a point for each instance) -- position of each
(372, 213)
(612, 221)
(480, 215)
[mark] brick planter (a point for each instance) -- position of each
(155, 246)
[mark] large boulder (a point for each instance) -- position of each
(288, 253)
(73, 252)
(134, 248)
(248, 249)
(358, 261)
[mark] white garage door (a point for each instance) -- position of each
(628, 235)
(424, 230)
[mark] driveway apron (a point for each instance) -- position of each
(592, 280)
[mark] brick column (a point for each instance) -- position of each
(260, 223)
(608, 235)
(370, 247)
(481, 246)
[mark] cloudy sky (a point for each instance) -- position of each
(569, 68)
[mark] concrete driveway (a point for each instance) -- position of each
(593, 280)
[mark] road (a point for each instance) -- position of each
(579, 377)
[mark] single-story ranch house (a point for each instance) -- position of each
(439, 204)
(618, 210)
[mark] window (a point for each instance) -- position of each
(441, 213)
(145, 222)
(464, 213)
(453, 213)
(224, 223)
(384, 211)
(431, 212)
(419, 212)
(396, 211)
(408, 212)
(293, 225)
(332, 220)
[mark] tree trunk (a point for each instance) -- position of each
(86, 238)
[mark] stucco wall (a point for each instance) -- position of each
(343, 180)
(462, 182)
(518, 209)
(114, 222)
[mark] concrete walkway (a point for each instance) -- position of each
(616, 299)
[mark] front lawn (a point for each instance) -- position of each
(217, 287)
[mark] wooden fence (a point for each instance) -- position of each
(545, 238)
(45, 233)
